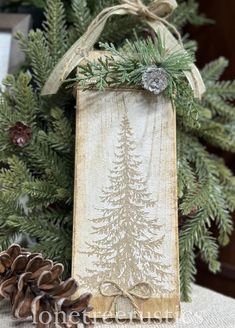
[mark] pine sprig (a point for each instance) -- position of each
(81, 16)
(218, 106)
(214, 70)
(126, 66)
(55, 30)
(209, 251)
(187, 272)
(7, 120)
(187, 12)
(53, 238)
(60, 134)
(37, 50)
(223, 89)
(19, 92)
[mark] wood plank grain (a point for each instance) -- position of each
(125, 212)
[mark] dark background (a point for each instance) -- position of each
(215, 41)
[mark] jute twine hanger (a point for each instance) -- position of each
(155, 16)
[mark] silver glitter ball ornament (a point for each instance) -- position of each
(154, 79)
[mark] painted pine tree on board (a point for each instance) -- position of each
(128, 243)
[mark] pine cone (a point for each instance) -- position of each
(20, 134)
(193, 212)
(34, 287)
(154, 79)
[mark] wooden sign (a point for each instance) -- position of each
(125, 245)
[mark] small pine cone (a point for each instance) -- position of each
(154, 79)
(34, 287)
(20, 134)
(194, 211)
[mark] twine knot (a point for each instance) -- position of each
(158, 10)
(142, 290)
(143, 11)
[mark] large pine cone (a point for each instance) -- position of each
(34, 287)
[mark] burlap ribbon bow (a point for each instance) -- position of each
(142, 290)
(155, 15)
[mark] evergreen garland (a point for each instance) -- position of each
(126, 66)
(37, 178)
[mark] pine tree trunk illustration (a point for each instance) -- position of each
(129, 242)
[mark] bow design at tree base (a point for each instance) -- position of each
(142, 291)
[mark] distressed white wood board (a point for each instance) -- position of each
(152, 119)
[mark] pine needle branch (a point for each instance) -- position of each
(187, 273)
(80, 16)
(187, 12)
(214, 70)
(36, 48)
(55, 30)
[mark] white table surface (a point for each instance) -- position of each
(207, 310)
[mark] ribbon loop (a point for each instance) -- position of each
(142, 290)
(163, 8)
(158, 9)
(109, 288)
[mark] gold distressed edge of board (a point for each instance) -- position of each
(75, 218)
(152, 302)
(73, 274)
(176, 220)
(122, 88)
(157, 307)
